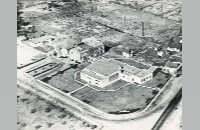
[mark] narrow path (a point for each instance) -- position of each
(168, 110)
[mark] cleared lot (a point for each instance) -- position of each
(130, 21)
(27, 56)
(126, 100)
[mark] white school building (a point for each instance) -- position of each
(106, 71)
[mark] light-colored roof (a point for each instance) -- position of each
(133, 63)
(92, 41)
(104, 67)
(146, 72)
(107, 67)
(172, 65)
(136, 68)
(85, 71)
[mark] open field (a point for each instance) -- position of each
(35, 113)
(112, 87)
(125, 100)
(65, 81)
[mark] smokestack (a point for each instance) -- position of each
(142, 28)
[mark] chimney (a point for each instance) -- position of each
(142, 28)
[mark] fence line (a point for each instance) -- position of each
(81, 105)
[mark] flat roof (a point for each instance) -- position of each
(172, 65)
(107, 67)
(84, 46)
(85, 71)
(92, 41)
(133, 63)
(104, 67)
(175, 59)
(145, 72)
(175, 45)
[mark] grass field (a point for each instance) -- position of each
(65, 81)
(130, 98)
(114, 86)
(34, 112)
(158, 81)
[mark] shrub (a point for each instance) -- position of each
(24, 99)
(47, 109)
(62, 116)
(93, 126)
(50, 124)
(160, 85)
(86, 101)
(23, 124)
(62, 109)
(64, 122)
(154, 92)
(38, 126)
(65, 91)
(33, 111)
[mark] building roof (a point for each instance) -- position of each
(85, 71)
(172, 65)
(84, 46)
(174, 45)
(177, 39)
(176, 59)
(104, 67)
(133, 63)
(92, 41)
(146, 72)
(107, 67)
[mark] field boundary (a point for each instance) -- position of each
(68, 99)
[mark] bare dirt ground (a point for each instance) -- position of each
(174, 121)
(104, 23)
(35, 112)
(27, 55)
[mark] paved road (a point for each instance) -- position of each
(168, 110)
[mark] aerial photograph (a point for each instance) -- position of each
(99, 64)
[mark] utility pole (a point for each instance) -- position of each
(92, 8)
(142, 28)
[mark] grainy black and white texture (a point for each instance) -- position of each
(99, 64)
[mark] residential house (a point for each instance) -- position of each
(171, 67)
(174, 46)
(106, 71)
(175, 59)
(84, 51)
(89, 47)
(129, 52)
(153, 46)
(160, 53)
